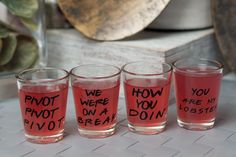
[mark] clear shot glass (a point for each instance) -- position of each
(147, 88)
(43, 98)
(96, 93)
(197, 87)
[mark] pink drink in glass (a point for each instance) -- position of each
(196, 96)
(43, 99)
(96, 92)
(147, 88)
(96, 105)
(43, 109)
(147, 101)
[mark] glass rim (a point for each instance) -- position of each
(219, 66)
(95, 77)
(151, 74)
(20, 78)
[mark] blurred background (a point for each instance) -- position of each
(66, 33)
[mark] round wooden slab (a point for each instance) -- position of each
(111, 19)
(224, 18)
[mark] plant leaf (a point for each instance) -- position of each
(29, 23)
(26, 54)
(3, 31)
(8, 49)
(22, 8)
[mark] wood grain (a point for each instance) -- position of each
(111, 19)
(224, 18)
(68, 48)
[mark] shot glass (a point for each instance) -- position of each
(43, 98)
(96, 91)
(197, 86)
(147, 88)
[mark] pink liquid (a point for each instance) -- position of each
(43, 109)
(96, 104)
(147, 101)
(197, 94)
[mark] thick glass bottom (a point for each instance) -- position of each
(97, 133)
(147, 130)
(196, 126)
(44, 139)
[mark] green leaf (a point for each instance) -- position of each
(29, 23)
(22, 8)
(8, 49)
(3, 31)
(26, 54)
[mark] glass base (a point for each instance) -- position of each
(44, 139)
(147, 130)
(97, 133)
(196, 126)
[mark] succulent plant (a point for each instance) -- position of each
(18, 50)
(8, 49)
(25, 56)
(22, 8)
